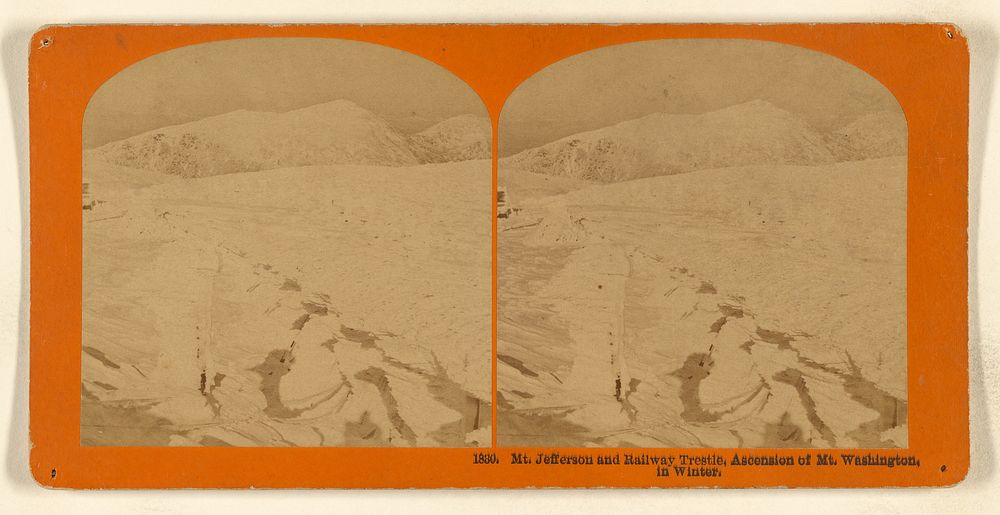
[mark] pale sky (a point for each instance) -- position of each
(274, 74)
(617, 83)
(583, 92)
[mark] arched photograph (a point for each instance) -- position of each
(286, 242)
(702, 243)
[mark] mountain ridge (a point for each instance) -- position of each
(751, 133)
(330, 133)
(459, 138)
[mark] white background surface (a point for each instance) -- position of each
(979, 21)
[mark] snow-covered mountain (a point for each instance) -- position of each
(753, 133)
(338, 132)
(461, 138)
(872, 136)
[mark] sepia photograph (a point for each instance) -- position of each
(500, 257)
(702, 243)
(286, 242)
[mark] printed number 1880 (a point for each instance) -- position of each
(482, 458)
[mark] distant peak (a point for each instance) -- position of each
(340, 103)
(466, 117)
(334, 106)
(884, 116)
(756, 105)
(463, 121)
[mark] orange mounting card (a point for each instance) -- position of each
(426, 256)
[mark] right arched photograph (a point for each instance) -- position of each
(702, 243)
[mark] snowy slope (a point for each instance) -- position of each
(754, 133)
(461, 138)
(738, 307)
(872, 136)
(338, 132)
(312, 306)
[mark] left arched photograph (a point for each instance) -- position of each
(286, 242)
